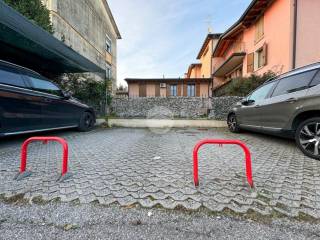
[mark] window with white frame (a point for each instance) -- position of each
(260, 57)
(108, 71)
(108, 44)
(191, 90)
(173, 90)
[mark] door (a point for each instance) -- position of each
(285, 100)
(19, 109)
(56, 110)
(249, 114)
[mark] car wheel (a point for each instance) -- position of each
(308, 137)
(86, 122)
(233, 124)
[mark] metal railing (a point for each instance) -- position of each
(220, 143)
(24, 152)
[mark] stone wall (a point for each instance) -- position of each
(221, 107)
(173, 107)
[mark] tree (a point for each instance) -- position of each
(34, 10)
(85, 89)
(242, 86)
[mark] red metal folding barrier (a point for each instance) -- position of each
(221, 142)
(24, 152)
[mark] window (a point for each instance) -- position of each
(173, 90)
(108, 72)
(45, 86)
(259, 29)
(191, 90)
(316, 80)
(260, 58)
(262, 92)
(108, 44)
(11, 78)
(250, 62)
(294, 83)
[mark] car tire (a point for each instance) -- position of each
(307, 137)
(233, 124)
(87, 121)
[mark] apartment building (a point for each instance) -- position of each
(203, 69)
(271, 35)
(88, 27)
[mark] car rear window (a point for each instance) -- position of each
(316, 80)
(294, 83)
(11, 78)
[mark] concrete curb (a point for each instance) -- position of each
(100, 121)
(165, 123)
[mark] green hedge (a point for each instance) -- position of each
(244, 85)
(87, 90)
(34, 10)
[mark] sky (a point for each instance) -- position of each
(163, 37)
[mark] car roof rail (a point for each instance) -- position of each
(298, 70)
(302, 69)
(9, 64)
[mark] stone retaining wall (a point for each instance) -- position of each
(173, 107)
(221, 107)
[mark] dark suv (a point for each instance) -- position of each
(288, 105)
(29, 103)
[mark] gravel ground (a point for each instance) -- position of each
(92, 221)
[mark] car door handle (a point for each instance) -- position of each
(291, 100)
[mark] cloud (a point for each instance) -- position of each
(162, 37)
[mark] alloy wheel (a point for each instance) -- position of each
(232, 123)
(88, 121)
(309, 138)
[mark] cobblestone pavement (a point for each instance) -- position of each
(137, 166)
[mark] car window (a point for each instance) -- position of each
(11, 78)
(293, 83)
(316, 80)
(262, 92)
(45, 86)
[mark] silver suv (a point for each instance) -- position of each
(288, 106)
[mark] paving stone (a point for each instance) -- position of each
(119, 166)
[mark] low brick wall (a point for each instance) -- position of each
(173, 107)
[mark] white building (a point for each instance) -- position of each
(88, 27)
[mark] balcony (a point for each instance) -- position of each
(238, 47)
(230, 64)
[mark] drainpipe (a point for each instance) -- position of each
(211, 72)
(295, 24)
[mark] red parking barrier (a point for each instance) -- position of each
(221, 142)
(24, 152)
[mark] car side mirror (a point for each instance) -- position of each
(247, 102)
(67, 95)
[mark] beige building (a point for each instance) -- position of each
(168, 87)
(203, 69)
(88, 27)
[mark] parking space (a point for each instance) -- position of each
(139, 166)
